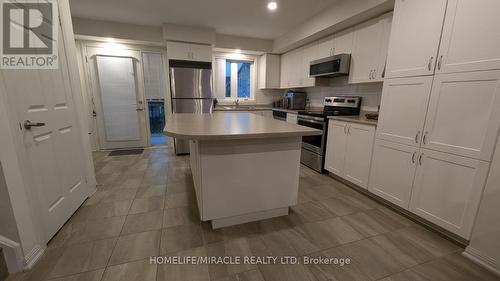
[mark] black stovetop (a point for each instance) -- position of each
(331, 112)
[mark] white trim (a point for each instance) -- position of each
(121, 41)
(486, 262)
(240, 57)
(13, 254)
(33, 257)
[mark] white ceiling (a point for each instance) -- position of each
(235, 17)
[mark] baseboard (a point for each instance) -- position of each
(486, 262)
(13, 254)
(33, 257)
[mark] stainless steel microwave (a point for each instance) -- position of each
(329, 67)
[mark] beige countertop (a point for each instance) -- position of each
(231, 125)
(361, 119)
(241, 108)
(298, 110)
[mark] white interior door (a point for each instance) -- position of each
(53, 150)
(448, 189)
(118, 89)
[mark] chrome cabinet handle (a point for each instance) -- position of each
(430, 63)
(420, 159)
(416, 137)
(424, 139)
(27, 124)
(413, 157)
(440, 62)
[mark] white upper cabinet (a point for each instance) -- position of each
(364, 59)
(415, 36)
(471, 36)
(201, 52)
(464, 114)
(386, 24)
(310, 53)
(336, 147)
(349, 151)
(343, 42)
(393, 171)
(403, 109)
(325, 48)
(269, 71)
(186, 51)
(447, 190)
(359, 150)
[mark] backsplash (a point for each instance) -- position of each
(370, 92)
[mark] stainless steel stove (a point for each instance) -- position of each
(314, 147)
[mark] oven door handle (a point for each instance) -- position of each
(311, 121)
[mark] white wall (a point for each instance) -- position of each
(243, 43)
(485, 240)
(371, 93)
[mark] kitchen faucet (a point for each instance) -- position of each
(237, 102)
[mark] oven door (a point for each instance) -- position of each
(315, 144)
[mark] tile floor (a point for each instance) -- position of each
(145, 206)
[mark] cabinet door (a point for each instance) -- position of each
(291, 118)
(359, 153)
(309, 54)
(297, 70)
(178, 51)
(364, 59)
(393, 171)
(415, 34)
(336, 147)
(471, 36)
(464, 114)
(343, 42)
(385, 22)
(201, 52)
(325, 48)
(403, 108)
(285, 70)
(447, 190)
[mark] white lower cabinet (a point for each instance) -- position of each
(291, 118)
(393, 171)
(349, 151)
(447, 190)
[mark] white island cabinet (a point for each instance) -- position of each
(245, 167)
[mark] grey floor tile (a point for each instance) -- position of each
(147, 205)
(95, 275)
(328, 233)
(339, 207)
(176, 200)
(142, 222)
(188, 272)
(181, 238)
(120, 194)
(430, 241)
(372, 222)
(151, 191)
(309, 212)
(135, 247)
(96, 229)
(233, 248)
(83, 257)
(180, 216)
(141, 270)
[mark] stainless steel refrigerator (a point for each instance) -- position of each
(191, 92)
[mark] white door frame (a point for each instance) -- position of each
(86, 42)
(13, 158)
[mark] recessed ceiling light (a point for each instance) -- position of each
(272, 6)
(238, 51)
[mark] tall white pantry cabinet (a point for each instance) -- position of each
(440, 112)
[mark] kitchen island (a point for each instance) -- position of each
(245, 167)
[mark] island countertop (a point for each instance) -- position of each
(231, 125)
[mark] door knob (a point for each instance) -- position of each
(27, 124)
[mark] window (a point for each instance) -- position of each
(234, 77)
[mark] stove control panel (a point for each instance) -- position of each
(353, 102)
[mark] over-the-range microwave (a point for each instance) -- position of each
(329, 67)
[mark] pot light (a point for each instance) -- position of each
(237, 51)
(272, 6)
